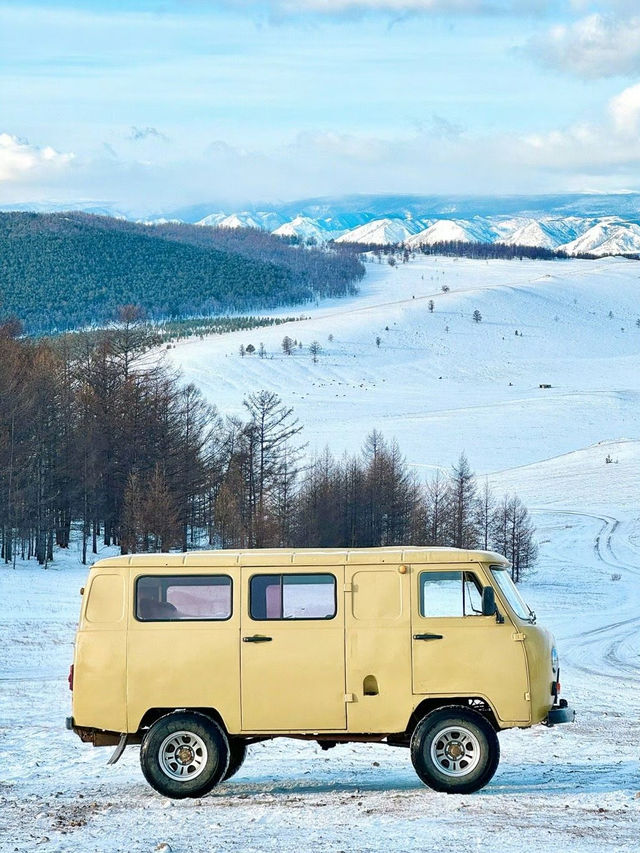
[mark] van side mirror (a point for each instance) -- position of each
(489, 603)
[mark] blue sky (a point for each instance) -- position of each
(151, 105)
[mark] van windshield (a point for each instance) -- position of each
(508, 589)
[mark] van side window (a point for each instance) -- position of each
(292, 597)
(450, 594)
(170, 598)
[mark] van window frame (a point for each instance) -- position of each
(282, 575)
(187, 618)
(464, 579)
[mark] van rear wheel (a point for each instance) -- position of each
(455, 750)
(184, 754)
(237, 755)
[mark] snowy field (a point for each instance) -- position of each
(572, 788)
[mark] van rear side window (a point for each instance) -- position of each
(171, 598)
(293, 597)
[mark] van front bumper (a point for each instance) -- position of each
(561, 713)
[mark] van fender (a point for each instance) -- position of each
(479, 704)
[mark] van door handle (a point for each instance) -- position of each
(257, 638)
(428, 637)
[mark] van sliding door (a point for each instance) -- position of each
(292, 649)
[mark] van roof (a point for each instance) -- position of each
(304, 557)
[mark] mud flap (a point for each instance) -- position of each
(117, 753)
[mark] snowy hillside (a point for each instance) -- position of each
(441, 383)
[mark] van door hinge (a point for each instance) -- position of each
(348, 587)
(527, 697)
(349, 697)
(519, 637)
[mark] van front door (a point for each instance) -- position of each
(456, 651)
(292, 650)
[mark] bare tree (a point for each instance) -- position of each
(463, 498)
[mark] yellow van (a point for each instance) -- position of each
(196, 656)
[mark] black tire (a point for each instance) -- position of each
(205, 760)
(237, 755)
(455, 750)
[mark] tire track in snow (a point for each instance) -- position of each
(606, 642)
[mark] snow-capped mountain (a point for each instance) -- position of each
(306, 228)
(239, 220)
(533, 233)
(451, 230)
(381, 232)
(213, 219)
(608, 237)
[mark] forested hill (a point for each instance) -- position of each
(63, 270)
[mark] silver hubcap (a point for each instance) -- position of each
(455, 751)
(182, 756)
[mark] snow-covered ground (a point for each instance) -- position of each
(575, 787)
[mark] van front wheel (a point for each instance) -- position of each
(455, 750)
(184, 754)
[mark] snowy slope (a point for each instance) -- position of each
(609, 237)
(439, 382)
(380, 232)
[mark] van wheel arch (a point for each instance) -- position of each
(472, 703)
(153, 715)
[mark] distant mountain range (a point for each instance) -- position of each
(574, 235)
(581, 223)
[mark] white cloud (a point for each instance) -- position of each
(594, 46)
(19, 160)
(625, 112)
(609, 147)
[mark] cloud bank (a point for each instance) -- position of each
(594, 46)
(603, 154)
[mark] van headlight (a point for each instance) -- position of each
(555, 660)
